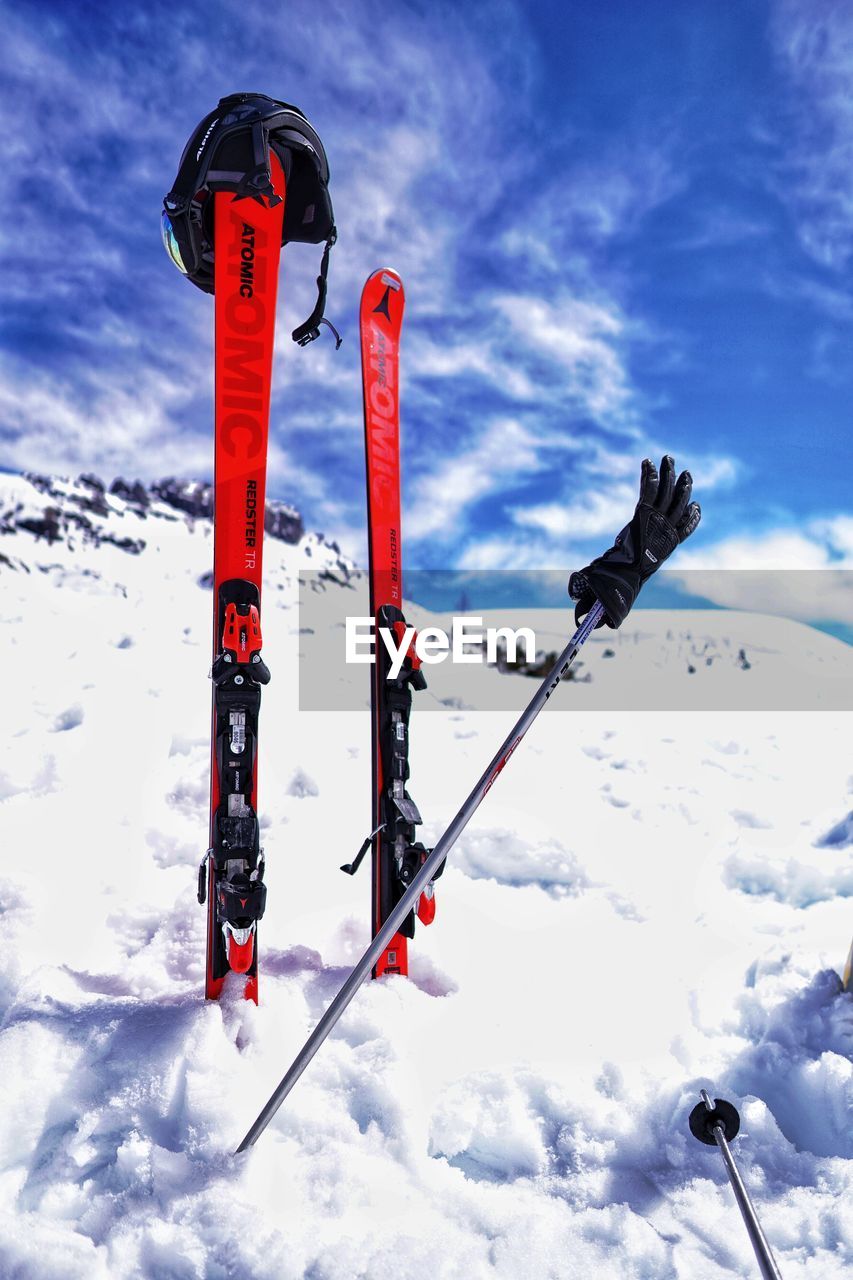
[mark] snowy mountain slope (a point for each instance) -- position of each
(648, 902)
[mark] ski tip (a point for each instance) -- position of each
(383, 299)
(380, 286)
(387, 276)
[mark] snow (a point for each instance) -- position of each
(649, 902)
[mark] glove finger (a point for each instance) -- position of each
(683, 490)
(667, 481)
(648, 482)
(579, 585)
(690, 522)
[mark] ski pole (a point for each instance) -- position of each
(604, 591)
(717, 1123)
(423, 876)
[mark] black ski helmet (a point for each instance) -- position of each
(229, 151)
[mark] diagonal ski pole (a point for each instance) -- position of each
(718, 1123)
(423, 876)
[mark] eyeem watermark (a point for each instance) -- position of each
(467, 641)
(702, 640)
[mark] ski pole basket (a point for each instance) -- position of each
(717, 1124)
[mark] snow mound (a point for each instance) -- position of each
(648, 904)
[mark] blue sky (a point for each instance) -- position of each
(623, 227)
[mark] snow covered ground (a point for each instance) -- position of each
(648, 903)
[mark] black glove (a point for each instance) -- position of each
(664, 517)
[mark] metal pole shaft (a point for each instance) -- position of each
(758, 1240)
(766, 1261)
(423, 877)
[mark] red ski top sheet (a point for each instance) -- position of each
(380, 323)
(247, 251)
(381, 319)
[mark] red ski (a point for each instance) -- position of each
(247, 252)
(396, 854)
(224, 223)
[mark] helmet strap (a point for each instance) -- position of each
(310, 330)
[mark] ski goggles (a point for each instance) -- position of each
(171, 243)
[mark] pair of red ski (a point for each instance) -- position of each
(247, 250)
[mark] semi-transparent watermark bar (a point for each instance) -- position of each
(728, 640)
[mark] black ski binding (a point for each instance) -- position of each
(235, 861)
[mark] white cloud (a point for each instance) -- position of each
(775, 549)
(592, 203)
(52, 428)
(583, 338)
(805, 574)
(780, 573)
(825, 595)
(595, 514)
(503, 451)
(519, 553)
(434, 357)
(590, 509)
(838, 534)
(717, 471)
(814, 44)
